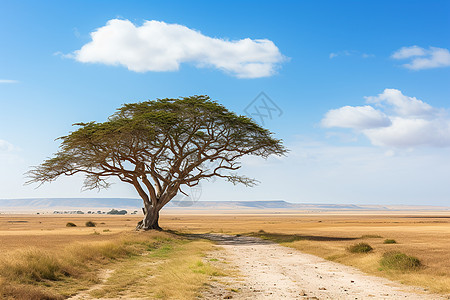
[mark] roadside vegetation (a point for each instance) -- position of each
(360, 248)
(400, 261)
(148, 263)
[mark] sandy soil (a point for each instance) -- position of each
(271, 271)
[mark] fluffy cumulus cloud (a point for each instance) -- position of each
(358, 117)
(397, 121)
(158, 46)
(421, 58)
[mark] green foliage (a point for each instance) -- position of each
(163, 251)
(90, 224)
(360, 248)
(159, 146)
(399, 261)
(70, 224)
(389, 241)
(117, 212)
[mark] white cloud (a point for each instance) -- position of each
(406, 132)
(421, 58)
(401, 104)
(6, 146)
(407, 52)
(8, 81)
(318, 172)
(357, 117)
(405, 121)
(349, 53)
(340, 53)
(8, 156)
(158, 46)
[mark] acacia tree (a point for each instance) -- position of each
(160, 146)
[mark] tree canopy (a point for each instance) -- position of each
(159, 146)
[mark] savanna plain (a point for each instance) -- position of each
(64, 256)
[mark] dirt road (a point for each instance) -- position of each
(271, 271)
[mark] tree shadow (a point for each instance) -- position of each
(257, 238)
(288, 238)
(224, 239)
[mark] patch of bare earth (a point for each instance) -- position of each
(103, 276)
(271, 271)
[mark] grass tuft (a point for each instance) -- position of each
(360, 248)
(400, 261)
(389, 241)
(90, 224)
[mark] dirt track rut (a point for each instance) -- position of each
(271, 271)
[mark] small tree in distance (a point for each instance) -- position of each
(160, 146)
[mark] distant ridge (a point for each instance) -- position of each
(49, 204)
(70, 203)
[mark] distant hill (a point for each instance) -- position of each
(84, 204)
(69, 203)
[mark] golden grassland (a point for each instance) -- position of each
(44, 259)
(173, 267)
(422, 235)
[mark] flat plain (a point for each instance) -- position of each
(424, 235)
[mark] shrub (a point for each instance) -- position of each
(70, 224)
(360, 248)
(399, 261)
(90, 224)
(389, 241)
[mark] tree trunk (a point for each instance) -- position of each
(150, 221)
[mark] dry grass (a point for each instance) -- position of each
(25, 292)
(34, 273)
(174, 271)
(44, 259)
(423, 236)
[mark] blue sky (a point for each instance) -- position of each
(363, 86)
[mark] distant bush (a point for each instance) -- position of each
(360, 248)
(389, 241)
(90, 224)
(117, 212)
(400, 261)
(371, 236)
(70, 224)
